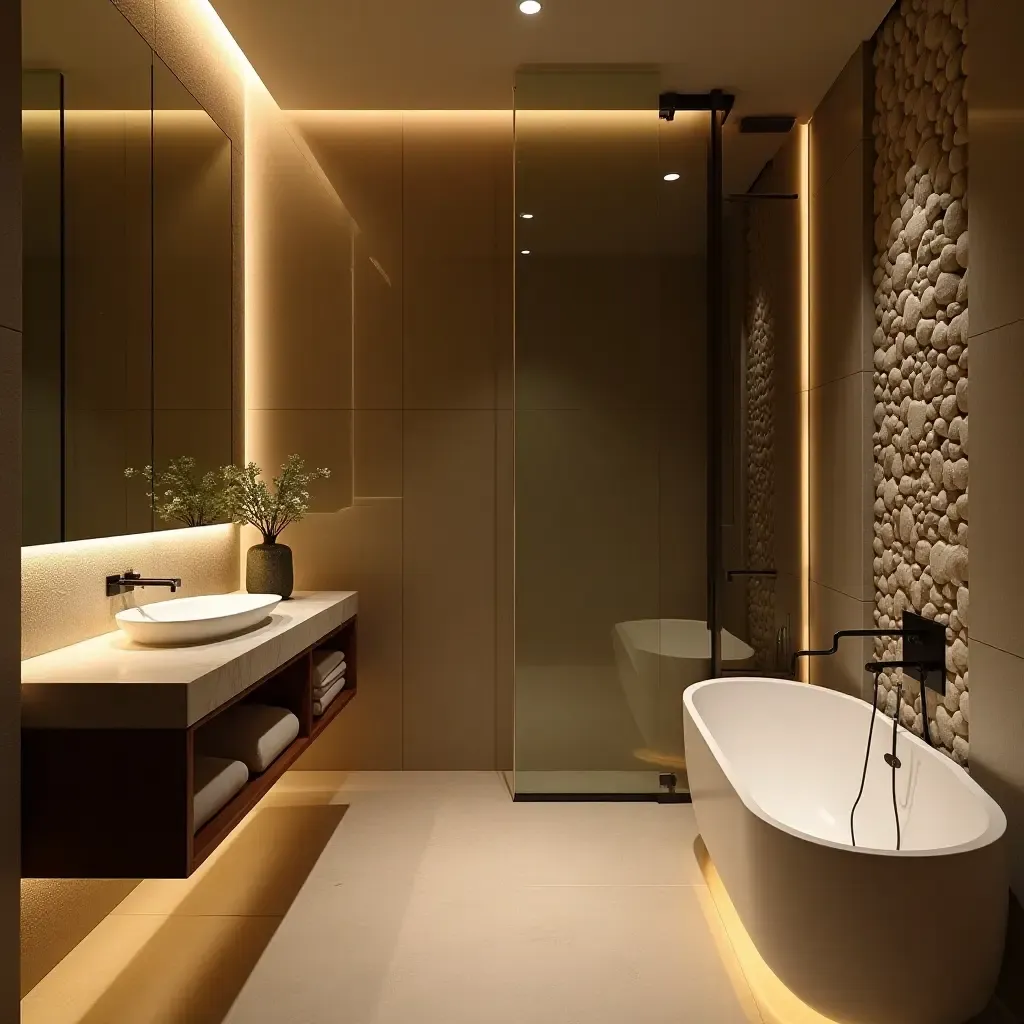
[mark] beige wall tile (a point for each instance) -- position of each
(840, 120)
(299, 266)
(997, 711)
(378, 453)
(323, 437)
(456, 183)
(842, 304)
(361, 152)
(449, 589)
(451, 331)
(831, 611)
(841, 489)
(996, 154)
(365, 539)
(996, 488)
(378, 332)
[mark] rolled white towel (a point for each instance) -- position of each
(215, 780)
(321, 688)
(325, 662)
(320, 703)
(253, 733)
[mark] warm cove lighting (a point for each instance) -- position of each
(672, 176)
(805, 398)
(530, 7)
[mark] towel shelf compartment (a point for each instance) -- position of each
(118, 803)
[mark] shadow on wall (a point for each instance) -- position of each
(179, 951)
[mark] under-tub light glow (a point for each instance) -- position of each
(774, 1001)
(530, 7)
(805, 373)
(672, 176)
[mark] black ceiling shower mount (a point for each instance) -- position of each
(670, 102)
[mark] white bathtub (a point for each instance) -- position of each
(659, 658)
(864, 935)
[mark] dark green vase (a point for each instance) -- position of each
(268, 569)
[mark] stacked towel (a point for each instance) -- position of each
(215, 781)
(254, 734)
(328, 678)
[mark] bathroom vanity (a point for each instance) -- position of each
(109, 728)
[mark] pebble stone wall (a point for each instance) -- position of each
(920, 346)
(760, 447)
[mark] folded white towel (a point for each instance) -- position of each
(320, 703)
(325, 662)
(253, 733)
(215, 780)
(321, 688)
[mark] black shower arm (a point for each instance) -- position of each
(891, 634)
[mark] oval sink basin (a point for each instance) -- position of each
(194, 620)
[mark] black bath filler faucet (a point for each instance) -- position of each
(924, 654)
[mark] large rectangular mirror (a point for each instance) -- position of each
(128, 274)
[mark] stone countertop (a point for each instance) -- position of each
(110, 682)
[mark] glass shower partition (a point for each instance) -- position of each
(610, 431)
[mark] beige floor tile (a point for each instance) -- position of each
(152, 970)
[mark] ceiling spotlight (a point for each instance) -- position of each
(526, 216)
(524, 252)
(672, 176)
(530, 6)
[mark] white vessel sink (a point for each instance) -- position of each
(194, 620)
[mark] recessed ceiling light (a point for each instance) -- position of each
(526, 216)
(672, 176)
(530, 6)
(524, 252)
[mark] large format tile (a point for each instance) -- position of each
(997, 735)
(831, 612)
(152, 970)
(450, 332)
(377, 312)
(996, 488)
(840, 122)
(842, 493)
(996, 154)
(842, 304)
(378, 453)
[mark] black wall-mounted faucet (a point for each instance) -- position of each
(126, 582)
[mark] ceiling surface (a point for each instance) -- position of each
(775, 56)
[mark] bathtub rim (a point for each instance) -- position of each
(993, 832)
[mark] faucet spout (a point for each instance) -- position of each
(126, 582)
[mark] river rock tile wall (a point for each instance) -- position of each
(920, 346)
(760, 448)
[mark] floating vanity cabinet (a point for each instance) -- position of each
(109, 730)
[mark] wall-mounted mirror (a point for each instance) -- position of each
(128, 274)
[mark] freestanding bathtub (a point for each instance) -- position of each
(864, 935)
(656, 660)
